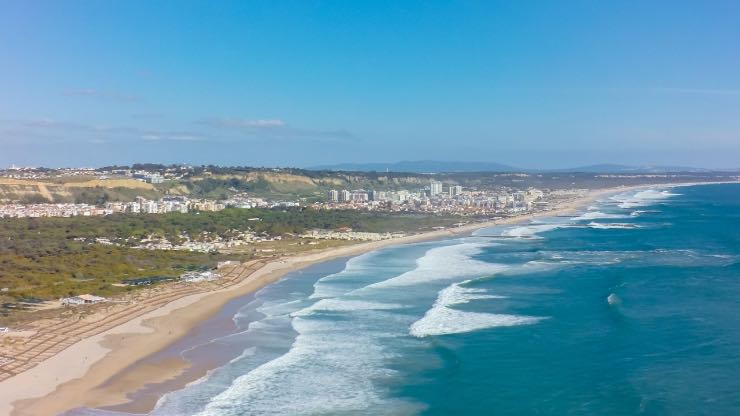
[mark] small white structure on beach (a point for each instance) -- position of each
(193, 277)
(221, 264)
(85, 299)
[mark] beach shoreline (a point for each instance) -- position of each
(73, 377)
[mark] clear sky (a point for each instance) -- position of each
(300, 83)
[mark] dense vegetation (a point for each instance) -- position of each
(70, 268)
(53, 257)
(27, 235)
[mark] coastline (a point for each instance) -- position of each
(72, 378)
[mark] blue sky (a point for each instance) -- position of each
(300, 83)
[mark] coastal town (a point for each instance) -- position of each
(457, 201)
(436, 197)
(140, 205)
(440, 198)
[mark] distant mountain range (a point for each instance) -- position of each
(612, 168)
(435, 166)
(420, 166)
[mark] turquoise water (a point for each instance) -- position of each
(631, 307)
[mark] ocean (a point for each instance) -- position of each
(630, 307)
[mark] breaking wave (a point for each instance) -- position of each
(346, 305)
(531, 231)
(618, 225)
(328, 369)
(443, 319)
(594, 215)
(444, 263)
(641, 198)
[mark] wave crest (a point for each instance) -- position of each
(442, 319)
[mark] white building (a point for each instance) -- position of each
(333, 195)
(193, 277)
(359, 196)
(82, 300)
(226, 263)
(150, 207)
(134, 207)
(435, 188)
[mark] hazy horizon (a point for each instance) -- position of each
(535, 86)
(464, 166)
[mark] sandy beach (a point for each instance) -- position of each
(78, 375)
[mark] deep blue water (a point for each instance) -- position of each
(631, 307)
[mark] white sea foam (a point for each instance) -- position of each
(361, 272)
(444, 263)
(641, 198)
(613, 299)
(271, 326)
(611, 225)
(443, 319)
(326, 287)
(345, 305)
(593, 215)
(457, 294)
(334, 364)
(531, 231)
(249, 352)
(275, 308)
(638, 212)
(535, 266)
(329, 369)
(678, 258)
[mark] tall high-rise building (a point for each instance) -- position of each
(345, 195)
(359, 196)
(455, 190)
(333, 195)
(435, 188)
